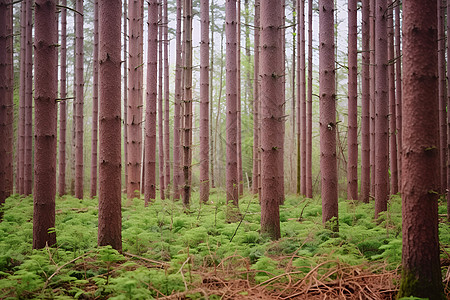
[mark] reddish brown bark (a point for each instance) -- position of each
(442, 97)
(421, 275)
(231, 98)
(204, 102)
(301, 99)
(63, 103)
(293, 169)
(94, 106)
(45, 123)
(327, 92)
(79, 86)
(28, 146)
(151, 100)
(177, 109)
(211, 93)
(160, 107)
(398, 90)
(109, 208)
(352, 134)
(381, 108)
(448, 118)
(309, 107)
(256, 98)
(9, 182)
(372, 97)
(134, 114)
(166, 99)
(238, 98)
(365, 103)
(21, 125)
(392, 107)
(272, 111)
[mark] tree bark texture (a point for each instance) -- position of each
(79, 98)
(442, 97)
(448, 118)
(21, 133)
(204, 102)
(372, 97)
(160, 105)
(239, 100)
(302, 93)
(109, 208)
(421, 275)
(125, 89)
(309, 191)
(94, 154)
(63, 103)
(398, 92)
(166, 100)
(28, 166)
(177, 109)
(352, 133)
(256, 98)
(327, 92)
(272, 111)
(45, 111)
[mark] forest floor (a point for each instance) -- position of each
(169, 253)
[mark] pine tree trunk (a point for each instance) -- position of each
(372, 97)
(151, 100)
(28, 167)
(21, 133)
(109, 208)
(442, 97)
(204, 102)
(95, 107)
(45, 123)
(301, 99)
(125, 90)
(9, 183)
(272, 111)
(309, 191)
(160, 106)
(293, 168)
(211, 97)
(166, 100)
(448, 114)
(256, 101)
(398, 90)
(421, 274)
(328, 163)
(177, 110)
(238, 98)
(79, 61)
(63, 103)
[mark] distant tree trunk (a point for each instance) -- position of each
(421, 274)
(231, 92)
(392, 102)
(301, 97)
(442, 97)
(134, 114)
(309, 108)
(79, 62)
(352, 135)
(151, 100)
(45, 123)
(365, 103)
(187, 157)
(160, 105)
(204, 102)
(62, 104)
(109, 208)
(256, 101)
(372, 97)
(211, 97)
(21, 125)
(28, 166)
(238, 104)
(125, 90)
(381, 108)
(302, 92)
(328, 163)
(166, 99)
(398, 88)
(177, 109)
(293, 168)
(95, 106)
(272, 104)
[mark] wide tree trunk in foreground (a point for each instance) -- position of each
(109, 207)
(327, 93)
(204, 102)
(448, 118)
(150, 110)
(63, 103)
(256, 106)
(28, 146)
(95, 107)
(352, 135)
(442, 97)
(45, 123)
(272, 111)
(79, 85)
(309, 106)
(421, 275)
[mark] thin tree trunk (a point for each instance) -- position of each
(28, 166)
(166, 100)
(109, 209)
(9, 183)
(239, 100)
(177, 109)
(398, 88)
(272, 129)
(79, 61)
(204, 102)
(211, 97)
(302, 93)
(421, 274)
(160, 105)
(328, 163)
(125, 90)
(442, 97)
(95, 107)
(300, 89)
(381, 109)
(309, 108)
(392, 102)
(21, 133)
(256, 101)
(352, 135)
(365, 103)
(372, 97)
(63, 103)
(45, 123)
(151, 100)
(293, 179)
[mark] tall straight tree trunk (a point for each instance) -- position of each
(177, 109)
(372, 97)
(381, 108)
(45, 123)
(211, 97)
(238, 98)
(398, 90)
(79, 85)
(151, 99)
(301, 99)
(125, 89)
(309, 107)
(63, 103)
(21, 133)
(160, 105)
(95, 107)
(421, 274)
(109, 207)
(10, 101)
(392, 106)
(352, 135)
(448, 115)
(365, 103)
(272, 111)
(231, 92)
(293, 169)
(134, 114)
(256, 101)
(166, 99)
(28, 167)
(187, 135)
(328, 163)
(442, 97)
(204, 102)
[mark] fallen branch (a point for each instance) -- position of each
(162, 265)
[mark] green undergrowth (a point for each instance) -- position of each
(167, 249)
